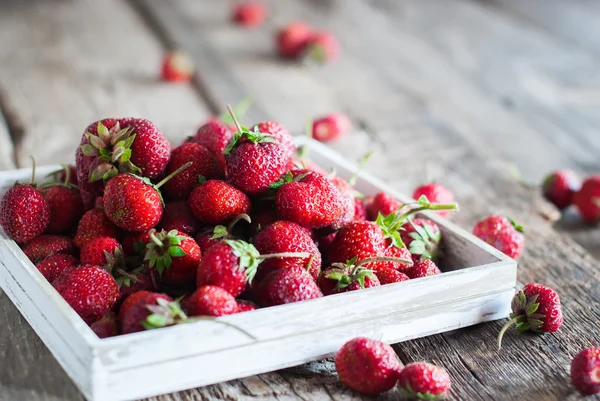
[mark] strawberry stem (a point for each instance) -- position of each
(504, 328)
(285, 255)
(432, 206)
(384, 259)
(235, 121)
(155, 239)
(123, 273)
(241, 216)
(361, 165)
(32, 181)
(67, 174)
(173, 174)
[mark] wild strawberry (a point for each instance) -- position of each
(217, 202)
(54, 265)
(145, 310)
(210, 300)
(342, 277)
(203, 163)
(585, 371)
(360, 210)
(178, 216)
(177, 66)
(90, 290)
(280, 133)
(422, 237)
(502, 233)
(250, 14)
(292, 40)
(285, 286)
(43, 246)
(323, 47)
(435, 193)
(367, 366)
(424, 381)
(94, 224)
(536, 308)
(423, 268)
(331, 127)
(245, 306)
(214, 135)
(102, 251)
(560, 186)
(587, 199)
(106, 326)
(389, 276)
(382, 203)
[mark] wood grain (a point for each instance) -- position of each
(6, 147)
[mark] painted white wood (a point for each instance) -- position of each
(477, 286)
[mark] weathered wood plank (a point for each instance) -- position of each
(7, 156)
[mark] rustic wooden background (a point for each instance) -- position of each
(461, 91)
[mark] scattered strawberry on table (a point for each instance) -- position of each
(298, 40)
(249, 14)
(177, 66)
(585, 371)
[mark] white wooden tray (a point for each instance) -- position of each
(477, 286)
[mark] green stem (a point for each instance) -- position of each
(432, 206)
(506, 327)
(123, 273)
(32, 171)
(67, 174)
(235, 121)
(285, 255)
(154, 239)
(173, 174)
(384, 259)
(241, 216)
(361, 165)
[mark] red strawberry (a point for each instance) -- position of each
(360, 210)
(53, 266)
(292, 40)
(587, 199)
(399, 253)
(214, 135)
(360, 240)
(24, 213)
(90, 290)
(250, 14)
(66, 208)
(285, 236)
(382, 203)
(367, 366)
(323, 47)
(102, 251)
(585, 371)
(536, 308)
(502, 233)
(178, 216)
(331, 127)
(140, 279)
(107, 326)
(560, 186)
(309, 199)
(285, 286)
(211, 236)
(94, 224)
(134, 244)
(423, 268)
(422, 237)
(177, 66)
(435, 193)
(210, 300)
(346, 277)
(246, 306)
(325, 246)
(424, 381)
(217, 202)
(280, 133)
(99, 203)
(297, 163)
(144, 310)
(43, 246)
(348, 205)
(389, 276)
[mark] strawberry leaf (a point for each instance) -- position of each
(219, 232)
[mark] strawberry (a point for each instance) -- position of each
(587, 199)
(367, 366)
(284, 286)
(102, 251)
(324, 244)
(134, 244)
(178, 216)
(360, 240)
(145, 310)
(389, 276)
(139, 279)
(422, 237)
(424, 381)
(401, 254)
(246, 306)
(323, 47)
(43, 246)
(502, 233)
(423, 268)
(106, 326)
(90, 290)
(99, 203)
(348, 205)
(285, 236)
(292, 40)
(94, 224)
(210, 300)
(217, 202)
(177, 66)
(250, 14)
(585, 371)
(297, 163)
(435, 193)
(211, 236)
(280, 133)
(331, 127)
(560, 186)
(54, 265)
(204, 164)
(346, 277)
(360, 209)
(382, 203)
(66, 205)
(214, 135)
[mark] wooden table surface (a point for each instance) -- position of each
(458, 91)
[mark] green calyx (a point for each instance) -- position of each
(254, 136)
(163, 247)
(249, 257)
(225, 231)
(424, 241)
(164, 313)
(517, 226)
(524, 315)
(55, 177)
(125, 278)
(348, 273)
(287, 178)
(408, 392)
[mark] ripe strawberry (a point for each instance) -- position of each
(423, 268)
(134, 244)
(389, 276)
(245, 306)
(24, 212)
(285, 286)
(360, 210)
(90, 290)
(204, 164)
(401, 254)
(214, 135)
(285, 236)
(66, 208)
(323, 47)
(367, 366)
(292, 40)
(382, 203)
(502, 233)
(346, 277)
(297, 163)
(139, 279)
(250, 14)
(435, 193)
(348, 205)
(106, 326)
(280, 133)
(102, 251)
(177, 66)
(560, 186)
(360, 240)
(178, 216)
(43, 246)
(325, 244)
(211, 236)
(217, 202)
(331, 127)
(53, 266)
(94, 224)
(587, 199)
(536, 308)
(424, 381)
(422, 237)
(585, 371)
(210, 300)
(145, 310)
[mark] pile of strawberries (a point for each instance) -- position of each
(564, 188)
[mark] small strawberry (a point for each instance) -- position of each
(423, 268)
(210, 300)
(246, 306)
(94, 224)
(389, 276)
(53, 266)
(43, 246)
(560, 186)
(66, 206)
(422, 237)
(106, 326)
(502, 233)
(536, 308)
(350, 276)
(585, 371)
(424, 381)
(435, 193)
(145, 310)
(587, 199)
(280, 133)
(178, 216)
(177, 66)
(331, 127)
(90, 290)
(250, 14)
(323, 47)
(102, 251)
(292, 40)
(367, 366)
(285, 286)
(382, 203)
(214, 135)
(217, 202)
